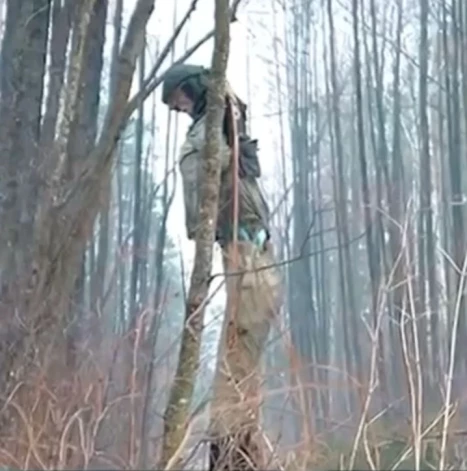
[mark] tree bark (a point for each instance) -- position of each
(67, 203)
(176, 414)
(23, 59)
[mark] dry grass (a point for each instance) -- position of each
(89, 418)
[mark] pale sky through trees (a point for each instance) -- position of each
(247, 44)
(251, 71)
(360, 111)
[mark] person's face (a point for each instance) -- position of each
(180, 102)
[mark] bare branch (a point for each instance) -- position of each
(153, 82)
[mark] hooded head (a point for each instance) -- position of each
(184, 88)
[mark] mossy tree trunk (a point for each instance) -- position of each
(176, 415)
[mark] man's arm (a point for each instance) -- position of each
(191, 161)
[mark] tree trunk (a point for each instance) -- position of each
(372, 257)
(67, 204)
(24, 52)
(176, 414)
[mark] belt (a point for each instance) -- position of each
(258, 237)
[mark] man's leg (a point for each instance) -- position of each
(253, 299)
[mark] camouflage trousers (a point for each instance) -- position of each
(254, 296)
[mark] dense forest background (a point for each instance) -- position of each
(360, 108)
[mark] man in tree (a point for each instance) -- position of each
(254, 287)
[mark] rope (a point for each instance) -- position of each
(233, 247)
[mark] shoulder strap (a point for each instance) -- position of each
(238, 108)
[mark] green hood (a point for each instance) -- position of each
(192, 79)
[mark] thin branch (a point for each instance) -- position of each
(153, 81)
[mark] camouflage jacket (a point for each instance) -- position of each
(253, 210)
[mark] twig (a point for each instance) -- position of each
(452, 357)
(154, 82)
(174, 460)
